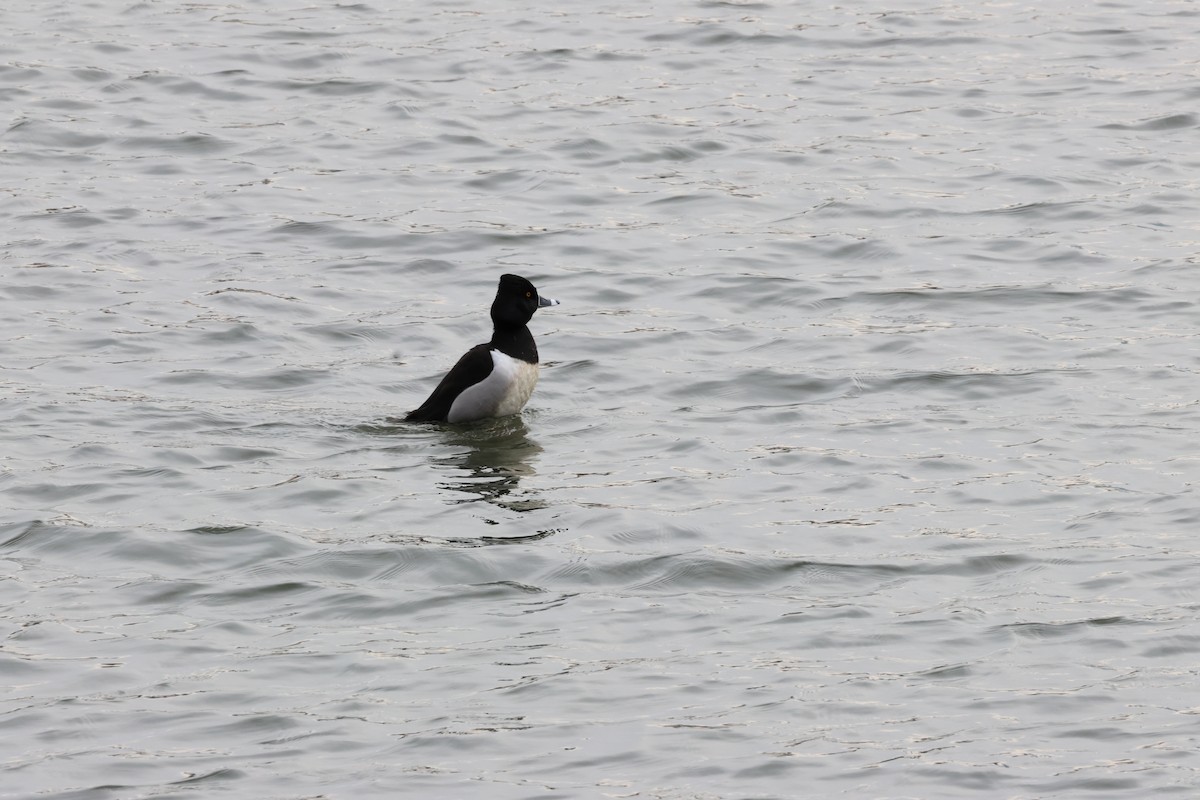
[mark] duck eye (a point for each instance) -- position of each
(529, 295)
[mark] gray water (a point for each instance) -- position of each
(863, 462)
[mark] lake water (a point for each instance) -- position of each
(863, 464)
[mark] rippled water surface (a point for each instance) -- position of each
(863, 462)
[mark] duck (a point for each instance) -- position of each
(494, 379)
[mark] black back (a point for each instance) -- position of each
(475, 365)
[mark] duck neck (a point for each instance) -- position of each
(515, 341)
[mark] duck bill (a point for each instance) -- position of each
(546, 302)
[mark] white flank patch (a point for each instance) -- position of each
(504, 392)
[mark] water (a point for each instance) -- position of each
(863, 462)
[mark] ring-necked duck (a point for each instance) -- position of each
(497, 378)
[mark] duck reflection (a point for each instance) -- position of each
(495, 455)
